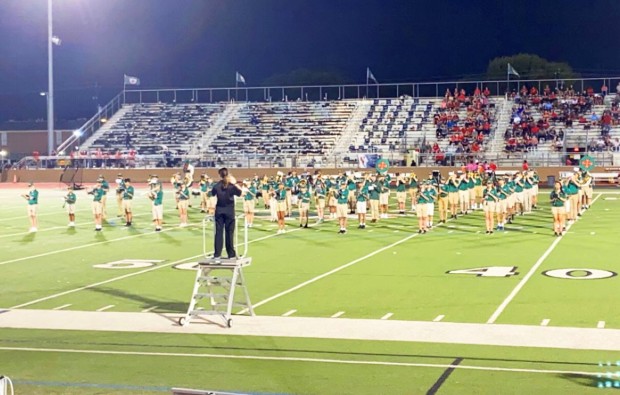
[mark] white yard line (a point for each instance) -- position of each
(80, 247)
(149, 309)
(62, 307)
(38, 231)
(439, 318)
(128, 275)
(104, 308)
(295, 359)
(289, 313)
(80, 225)
(545, 322)
(329, 273)
(338, 314)
(600, 325)
(530, 273)
(387, 316)
(24, 217)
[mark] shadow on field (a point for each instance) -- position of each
(146, 302)
(70, 231)
(29, 238)
(169, 239)
(583, 380)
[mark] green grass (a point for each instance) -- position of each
(285, 376)
(408, 279)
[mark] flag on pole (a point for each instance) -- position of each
(512, 71)
(129, 80)
(370, 76)
(239, 78)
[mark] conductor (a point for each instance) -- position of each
(225, 190)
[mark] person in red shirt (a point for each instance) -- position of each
(492, 167)
(525, 166)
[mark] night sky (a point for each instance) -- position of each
(201, 43)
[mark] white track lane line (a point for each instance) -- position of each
(600, 325)
(128, 275)
(62, 307)
(439, 318)
(289, 313)
(149, 309)
(530, 273)
(545, 322)
(387, 316)
(338, 314)
(296, 359)
(329, 273)
(104, 308)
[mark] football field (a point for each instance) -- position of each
(522, 277)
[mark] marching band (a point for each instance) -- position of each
(500, 196)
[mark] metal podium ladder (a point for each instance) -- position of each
(217, 280)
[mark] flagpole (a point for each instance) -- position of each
(124, 88)
(237, 86)
(367, 77)
(507, 81)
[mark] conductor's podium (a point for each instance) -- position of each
(215, 290)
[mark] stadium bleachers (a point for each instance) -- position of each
(153, 128)
(299, 128)
(390, 123)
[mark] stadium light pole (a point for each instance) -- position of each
(50, 80)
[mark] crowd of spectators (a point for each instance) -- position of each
(548, 116)
(465, 121)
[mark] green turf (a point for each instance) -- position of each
(409, 280)
(330, 375)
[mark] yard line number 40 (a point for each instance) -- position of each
(566, 274)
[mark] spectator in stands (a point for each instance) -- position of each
(525, 166)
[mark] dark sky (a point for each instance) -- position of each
(201, 43)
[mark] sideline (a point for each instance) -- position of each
(298, 359)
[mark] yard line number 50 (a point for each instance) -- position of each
(566, 274)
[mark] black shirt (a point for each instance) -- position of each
(225, 197)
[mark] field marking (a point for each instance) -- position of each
(148, 310)
(387, 316)
(297, 359)
(338, 314)
(329, 273)
(24, 217)
(444, 376)
(530, 273)
(128, 275)
(104, 308)
(545, 322)
(600, 325)
(439, 318)
(289, 313)
(81, 246)
(38, 231)
(62, 307)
